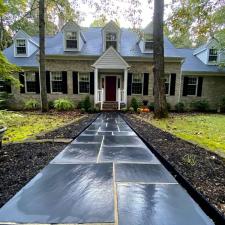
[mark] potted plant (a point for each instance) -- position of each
(2, 132)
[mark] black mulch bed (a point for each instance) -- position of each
(71, 130)
(20, 162)
(206, 173)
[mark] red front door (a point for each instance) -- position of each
(110, 88)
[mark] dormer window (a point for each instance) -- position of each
(213, 55)
(111, 40)
(21, 48)
(71, 40)
(148, 43)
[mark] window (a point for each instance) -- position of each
(137, 84)
(2, 85)
(212, 55)
(148, 42)
(21, 47)
(192, 86)
(167, 84)
(71, 40)
(84, 82)
(111, 40)
(30, 82)
(56, 82)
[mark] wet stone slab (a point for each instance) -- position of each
(143, 173)
(64, 194)
(161, 204)
(88, 139)
(127, 154)
(123, 141)
(78, 153)
(105, 133)
(88, 133)
(124, 133)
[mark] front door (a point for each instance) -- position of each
(110, 88)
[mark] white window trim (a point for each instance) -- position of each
(83, 93)
(52, 92)
(25, 83)
(15, 48)
(78, 42)
(196, 88)
(142, 86)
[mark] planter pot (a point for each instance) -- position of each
(2, 132)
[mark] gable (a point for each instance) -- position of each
(111, 59)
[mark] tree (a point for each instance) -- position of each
(44, 100)
(160, 107)
(100, 22)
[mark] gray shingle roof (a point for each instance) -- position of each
(193, 64)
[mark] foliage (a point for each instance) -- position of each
(190, 159)
(206, 130)
(32, 104)
(200, 106)
(145, 102)
(51, 104)
(7, 71)
(151, 106)
(168, 106)
(180, 107)
(82, 110)
(27, 125)
(124, 110)
(134, 104)
(223, 104)
(63, 104)
(86, 103)
(3, 100)
(100, 22)
(131, 109)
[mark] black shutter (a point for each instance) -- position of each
(172, 83)
(48, 82)
(37, 82)
(199, 90)
(129, 83)
(8, 87)
(92, 86)
(64, 82)
(22, 81)
(75, 82)
(185, 86)
(146, 81)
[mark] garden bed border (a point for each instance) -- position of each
(207, 207)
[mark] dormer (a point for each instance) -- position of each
(73, 39)
(24, 45)
(111, 36)
(209, 53)
(146, 41)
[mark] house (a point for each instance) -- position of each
(112, 65)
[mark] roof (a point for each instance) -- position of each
(193, 64)
(92, 47)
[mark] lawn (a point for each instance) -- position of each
(206, 130)
(22, 125)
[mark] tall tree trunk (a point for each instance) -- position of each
(42, 74)
(160, 106)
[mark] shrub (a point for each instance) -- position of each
(91, 110)
(168, 106)
(80, 105)
(134, 104)
(32, 104)
(86, 104)
(223, 104)
(63, 104)
(180, 107)
(51, 104)
(3, 100)
(151, 106)
(200, 105)
(96, 109)
(124, 110)
(145, 102)
(82, 110)
(131, 109)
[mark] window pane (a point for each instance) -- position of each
(2, 86)
(212, 55)
(192, 80)
(84, 82)
(136, 88)
(20, 43)
(21, 47)
(30, 76)
(111, 37)
(71, 43)
(56, 81)
(148, 45)
(56, 76)
(71, 35)
(137, 78)
(84, 77)
(191, 90)
(31, 86)
(21, 50)
(111, 43)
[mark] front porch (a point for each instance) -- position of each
(110, 80)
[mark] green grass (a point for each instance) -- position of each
(22, 125)
(206, 130)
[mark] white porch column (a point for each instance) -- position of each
(96, 86)
(125, 86)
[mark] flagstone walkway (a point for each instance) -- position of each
(105, 176)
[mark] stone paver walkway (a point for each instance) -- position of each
(105, 176)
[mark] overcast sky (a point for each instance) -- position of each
(147, 13)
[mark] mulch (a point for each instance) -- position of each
(20, 162)
(204, 170)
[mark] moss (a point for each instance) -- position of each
(27, 125)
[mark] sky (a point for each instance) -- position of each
(147, 13)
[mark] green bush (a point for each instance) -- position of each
(200, 105)
(51, 104)
(151, 106)
(168, 106)
(180, 107)
(134, 104)
(124, 110)
(131, 109)
(63, 104)
(223, 105)
(82, 110)
(97, 109)
(80, 105)
(87, 103)
(3, 100)
(32, 104)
